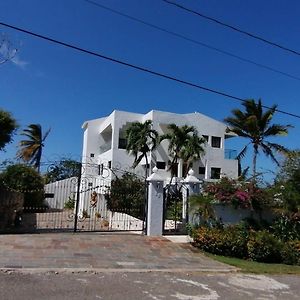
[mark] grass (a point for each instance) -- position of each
(247, 266)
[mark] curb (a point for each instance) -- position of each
(112, 270)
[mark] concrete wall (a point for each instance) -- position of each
(63, 191)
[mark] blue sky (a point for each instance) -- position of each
(61, 88)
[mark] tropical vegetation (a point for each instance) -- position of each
(31, 147)
(184, 144)
(8, 126)
(254, 124)
(62, 169)
(24, 179)
(127, 195)
(141, 140)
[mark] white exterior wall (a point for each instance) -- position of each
(118, 120)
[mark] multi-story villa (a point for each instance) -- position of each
(104, 144)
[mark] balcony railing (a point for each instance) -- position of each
(230, 154)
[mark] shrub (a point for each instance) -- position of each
(24, 179)
(263, 246)
(127, 194)
(290, 253)
(287, 227)
(70, 203)
(239, 194)
(230, 241)
(207, 239)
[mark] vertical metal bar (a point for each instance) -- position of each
(164, 209)
(77, 198)
(187, 205)
(145, 209)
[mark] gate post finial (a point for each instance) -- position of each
(192, 183)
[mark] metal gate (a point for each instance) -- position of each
(175, 209)
(85, 202)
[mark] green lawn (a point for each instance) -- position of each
(247, 266)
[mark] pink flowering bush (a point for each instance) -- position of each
(239, 194)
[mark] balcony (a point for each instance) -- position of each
(230, 154)
(105, 147)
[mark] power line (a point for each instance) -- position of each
(178, 35)
(252, 35)
(145, 70)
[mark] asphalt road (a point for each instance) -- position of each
(147, 285)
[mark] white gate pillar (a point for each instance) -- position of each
(192, 184)
(155, 204)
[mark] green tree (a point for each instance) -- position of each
(184, 143)
(63, 169)
(286, 188)
(141, 139)
(8, 126)
(201, 208)
(31, 148)
(289, 166)
(127, 195)
(255, 125)
(24, 179)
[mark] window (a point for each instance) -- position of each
(201, 170)
(215, 173)
(90, 184)
(109, 164)
(100, 169)
(92, 155)
(161, 165)
(205, 137)
(122, 143)
(216, 141)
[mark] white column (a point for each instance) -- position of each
(155, 204)
(192, 185)
(180, 168)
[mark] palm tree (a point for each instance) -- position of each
(255, 125)
(184, 143)
(31, 148)
(192, 150)
(141, 139)
(201, 208)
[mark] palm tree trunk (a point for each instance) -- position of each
(254, 162)
(146, 172)
(38, 160)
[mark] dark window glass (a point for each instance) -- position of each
(92, 155)
(215, 173)
(109, 164)
(90, 184)
(122, 143)
(205, 137)
(202, 170)
(216, 141)
(161, 165)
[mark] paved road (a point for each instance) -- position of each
(147, 285)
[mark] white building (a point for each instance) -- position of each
(104, 144)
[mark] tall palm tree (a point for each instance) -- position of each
(192, 150)
(184, 143)
(31, 148)
(255, 124)
(141, 139)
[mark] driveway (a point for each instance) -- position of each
(109, 252)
